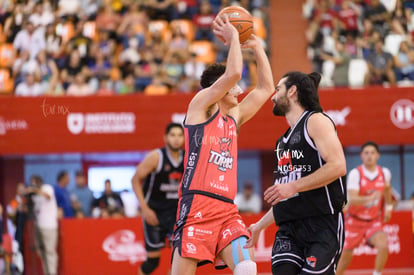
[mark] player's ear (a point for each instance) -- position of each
(292, 90)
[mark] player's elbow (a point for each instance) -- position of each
(340, 168)
(233, 75)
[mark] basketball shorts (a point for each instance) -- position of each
(155, 235)
(205, 226)
(359, 231)
(313, 245)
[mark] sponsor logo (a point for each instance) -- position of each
(12, 125)
(282, 245)
(311, 261)
(339, 116)
(121, 246)
(198, 215)
(402, 113)
(101, 123)
(222, 159)
(226, 233)
(190, 231)
(220, 186)
(191, 248)
(189, 169)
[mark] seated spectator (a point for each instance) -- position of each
(203, 20)
(380, 66)
(48, 72)
(341, 59)
(178, 43)
(144, 70)
(42, 14)
(162, 10)
(404, 62)
(79, 87)
(248, 202)
(108, 20)
(110, 201)
(127, 86)
(134, 21)
(105, 87)
(79, 42)
(24, 66)
(30, 39)
(157, 87)
(173, 70)
(29, 87)
(14, 22)
(54, 44)
(157, 46)
(378, 15)
(73, 66)
(69, 9)
(348, 18)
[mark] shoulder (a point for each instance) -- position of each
(318, 123)
(387, 173)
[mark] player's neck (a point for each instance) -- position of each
(370, 168)
(175, 154)
(294, 115)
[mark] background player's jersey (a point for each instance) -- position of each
(297, 156)
(211, 158)
(161, 186)
(368, 186)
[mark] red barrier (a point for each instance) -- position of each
(109, 246)
(98, 124)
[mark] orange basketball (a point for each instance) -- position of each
(241, 19)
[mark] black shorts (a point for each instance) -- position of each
(313, 245)
(155, 235)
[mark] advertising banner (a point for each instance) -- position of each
(116, 246)
(137, 122)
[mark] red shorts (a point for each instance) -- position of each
(359, 231)
(205, 226)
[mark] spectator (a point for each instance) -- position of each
(82, 194)
(341, 59)
(30, 39)
(73, 67)
(54, 45)
(62, 196)
(79, 87)
(46, 226)
(23, 66)
(203, 20)
(348, 18)
(144, 70)
(173, 70)
(404, 62)
(17, 212)
(14, 22)
(380, 66)
(29, 87)
(79, 42)
(105, 87)
(69, 9)
(110, 201)
(108, 20)
(135, 20)
(162, 9)
(127, 86)
(378, 15)
(42, 14)
(48, 72)
(178, 43)
(248, 202)
(157, 87)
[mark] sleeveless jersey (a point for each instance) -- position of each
(211, 158)
(373, 209)
(297, 156)
(161, 186)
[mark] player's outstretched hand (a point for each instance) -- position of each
(150, 216)
(254, 235)
(223, 28)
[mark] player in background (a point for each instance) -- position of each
(155, 184)
(370, 205)
(209, 227)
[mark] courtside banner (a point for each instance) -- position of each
(116, 246)
(137, 122)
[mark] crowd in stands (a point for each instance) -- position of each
(361, 42)
(105, 47)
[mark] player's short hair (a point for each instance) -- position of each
(307, 87)
(171, 126)
(370, 143)
(61, 175)
(79, 173)
(211, 74)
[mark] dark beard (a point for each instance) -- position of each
(281, 108)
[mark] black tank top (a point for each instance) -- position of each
(161, 186)
(297, 156)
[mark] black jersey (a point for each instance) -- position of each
(161, 186)
(297, 156)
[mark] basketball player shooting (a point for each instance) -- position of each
(308, 194)
(209, 228)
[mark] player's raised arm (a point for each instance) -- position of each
(264, 87)
(232, 74)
